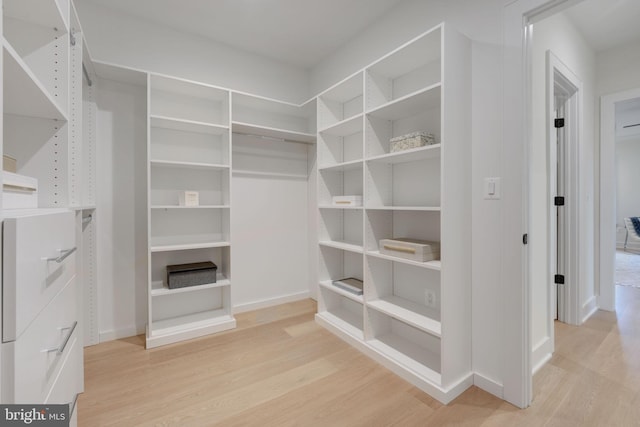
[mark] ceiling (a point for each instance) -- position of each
(607, 23)
(297, 32)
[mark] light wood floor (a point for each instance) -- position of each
(278, 368)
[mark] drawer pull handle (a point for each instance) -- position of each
(400, 249)
(60, 349)
(19, 188)
(72, 405)
(64, 253)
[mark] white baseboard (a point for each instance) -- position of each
(131, 331)
(256, 305)
(116, 334)
(541, 354)
(589, 308)
(488, 385)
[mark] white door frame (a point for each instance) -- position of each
(517, 19)
(605, 286)
(560, 78)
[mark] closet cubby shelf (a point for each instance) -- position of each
(271, 132)
(341, 167)
(43, 13)
(404, 208)
(178, 243)
(416, 315)
(185, 125)
(411, 155)
(408, 354)
(159, 289)
(190, 207)
(431, 265)
(409, 105)
(330, 287)
(341, 207)
(346, 321)
(345, 127)
(191, 165)
(345, 246)
(191, 322)
(24, 94)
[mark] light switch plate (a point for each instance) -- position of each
(492, 188)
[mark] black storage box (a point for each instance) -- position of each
(197, 273)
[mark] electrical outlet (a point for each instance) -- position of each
(430, 299)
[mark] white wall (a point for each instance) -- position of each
(617, 68)
(558, 34)
(121, 208)
(482, 22)
(628, 176)
(127, 41)
(269, 223)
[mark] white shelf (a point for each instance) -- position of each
(413, 357)
(177, 243)
(191, 165)
(344, 320)
(412, 155)
(340, 207)
(185, 125)
(409, 105)
(329, 286)
(270, 132)
(345, 246)
(24, 94)
(159, 288)
(431, 265)
(405, 208)
(190, 207)
(345, 127)
(44, 13)
(190, 322)
(342, 167)
(416, 315)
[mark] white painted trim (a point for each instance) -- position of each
(256, 305)
(606, 199)
(542, 353)
(574, 110)
(436, 391)
(588, 309)
(117, 334)
(488, 385)
(517, 294)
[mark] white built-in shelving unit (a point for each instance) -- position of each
(265, 117)
(414, 317)
(189, 149)
(48, 130)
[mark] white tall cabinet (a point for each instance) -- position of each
(46, 248)
(413, 317)
(189, 149)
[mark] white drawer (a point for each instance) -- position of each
(34, 361)
(65, 388)
(34, 266)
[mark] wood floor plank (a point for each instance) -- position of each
(279, 368)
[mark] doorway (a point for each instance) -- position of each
(564, 125)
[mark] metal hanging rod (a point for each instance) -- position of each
(271, 138)
(86, 75)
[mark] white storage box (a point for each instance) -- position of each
(413, 249)
(411, 140)
(347, 201)
(189, 198)
(19, 191)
